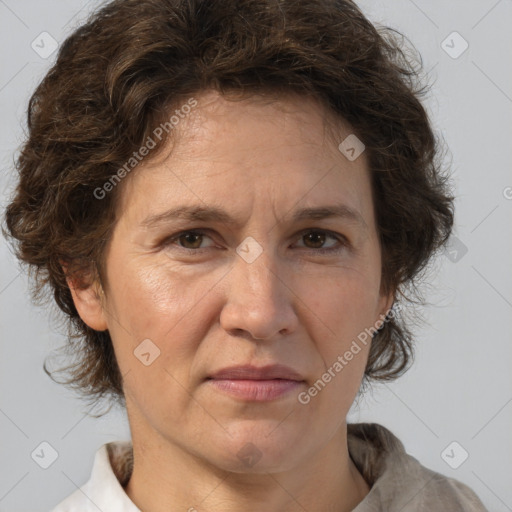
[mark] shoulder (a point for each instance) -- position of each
(73, 503)
(398, 481)
(104, 489)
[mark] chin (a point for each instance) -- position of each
(259, 447)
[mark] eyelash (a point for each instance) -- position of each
(330, 250)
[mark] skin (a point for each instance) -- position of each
(260, 161)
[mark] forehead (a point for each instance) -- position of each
(301, 119)
(226, 151)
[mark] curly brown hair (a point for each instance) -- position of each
(134, 61)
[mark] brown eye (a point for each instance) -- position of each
(188, 241)
(192, 238)
(315, 238)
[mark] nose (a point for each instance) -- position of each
(260, 300)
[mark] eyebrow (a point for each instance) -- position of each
(214, 214)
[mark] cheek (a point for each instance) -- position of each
(157, 297)
(346, 309)
(346, 301)
(165, 304)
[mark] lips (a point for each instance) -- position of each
(252, 384)
(248, 372)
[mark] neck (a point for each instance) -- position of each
(167, 477)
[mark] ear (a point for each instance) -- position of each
(89, 300)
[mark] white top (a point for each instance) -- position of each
(103, 491)
(398, 481)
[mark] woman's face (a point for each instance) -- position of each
(273, 285)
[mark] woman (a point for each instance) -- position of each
(227, 200)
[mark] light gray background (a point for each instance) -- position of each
(460, 388)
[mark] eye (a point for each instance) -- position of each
(187, 240)
(316, 238)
